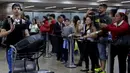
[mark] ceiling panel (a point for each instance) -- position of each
(60, 4)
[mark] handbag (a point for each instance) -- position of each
(122, 41)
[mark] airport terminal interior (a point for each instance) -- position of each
(64, 36)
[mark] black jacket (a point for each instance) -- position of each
(58, 28)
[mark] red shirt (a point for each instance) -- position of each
(45, 27)
(116, 30)
(53, 22)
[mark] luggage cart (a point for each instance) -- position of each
(23, 56)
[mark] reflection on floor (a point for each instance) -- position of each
(46, 63)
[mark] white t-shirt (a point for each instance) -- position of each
(90, 39)
(33, 28)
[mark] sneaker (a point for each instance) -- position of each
(63, 62)
(98, 69)
(84, 70)
(90, 71)
(79, 64)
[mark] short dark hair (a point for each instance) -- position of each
(27, 16)
(67, 19)
(103, 5)
(16, 5)
(63, 16)
(52, 15)
(45, 18)
(59, 17)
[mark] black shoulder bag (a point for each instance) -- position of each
(123, 40)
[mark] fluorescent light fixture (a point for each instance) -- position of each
(90, 8)
(29, 6)
(102, 0)
(82, 8)
(69, 8)
(123, 2)
(117, 4)
(50, 7)
(67, 2)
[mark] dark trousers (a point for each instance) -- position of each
(81, 50)
(53, 43)
(33, 33)
(65, 54)
(129, 63)
(59, 46)
(90, 50)
(122, 53)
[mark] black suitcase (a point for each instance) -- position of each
(30, 44)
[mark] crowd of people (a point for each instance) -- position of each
(97, 25)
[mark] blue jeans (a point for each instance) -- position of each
(102, 48)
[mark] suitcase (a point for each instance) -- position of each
(30, 44)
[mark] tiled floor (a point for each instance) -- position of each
(46, 63)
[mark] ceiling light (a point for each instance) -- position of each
(102, 0)
(29, 6)
(90, 8)
(123, 2)
(117, 4)
(69, 8)
(67, 2)
(50, 7)
(82, 8)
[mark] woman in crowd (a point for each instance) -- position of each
(45, 27)
(89, 45)
(33, 27)
(118, 28)
(78, 28)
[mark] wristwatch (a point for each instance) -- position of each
(96, 32)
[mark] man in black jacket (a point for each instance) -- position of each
(59, 40)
